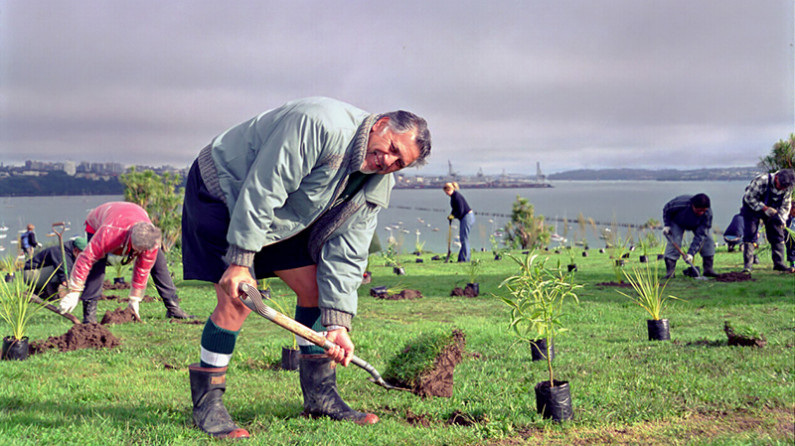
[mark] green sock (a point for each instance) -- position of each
(217, 345)
(310, 316)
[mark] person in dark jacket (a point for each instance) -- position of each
(49, 269)
(466, 217)
(689, 213)
(768, 198)
(733, 235)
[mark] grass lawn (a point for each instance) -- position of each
(694, 389)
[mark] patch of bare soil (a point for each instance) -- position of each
(734, 276)
(79, 336)
(120, 316)
(439, 380)
(417, 419)
(616, 284)
(108, 285)
(459, 418)
(403, 295)
(146, 299)
(468, 291)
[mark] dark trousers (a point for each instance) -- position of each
(773, 227)
(159, 274)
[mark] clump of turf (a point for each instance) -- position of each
(744, 335)
(426, 364)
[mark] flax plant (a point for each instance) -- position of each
(649, 289)
(16, 308)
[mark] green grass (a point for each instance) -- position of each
(694, 389)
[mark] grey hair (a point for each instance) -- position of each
(402, 121)
(145, 235)
(786, 177)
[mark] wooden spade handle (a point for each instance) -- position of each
(71, 317)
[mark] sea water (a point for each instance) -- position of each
(425, 211)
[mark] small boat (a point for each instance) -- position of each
(557, 238)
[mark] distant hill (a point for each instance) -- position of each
(57, 183)
(714, 174)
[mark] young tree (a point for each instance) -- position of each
(161, 196)
(525, 230)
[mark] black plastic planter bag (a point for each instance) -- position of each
(14, 349)
(289, 358)
(539, 350)
(658, 330)
(554, 402)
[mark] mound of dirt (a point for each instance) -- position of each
(120, 316)
(468, 291)
(734, 276)
(79, 336)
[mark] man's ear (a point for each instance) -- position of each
(381, 124)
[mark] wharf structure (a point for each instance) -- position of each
(478, 181)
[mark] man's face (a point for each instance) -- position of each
(388, 151)
(699, 211)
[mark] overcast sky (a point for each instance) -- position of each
(503, 84)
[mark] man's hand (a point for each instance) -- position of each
(770, 212)
(688, 259)
(233, 277)
(450, 217)
(667, 230)
(342, 352)
(69, 302)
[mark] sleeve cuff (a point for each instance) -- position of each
(335, 317)
(236, 255)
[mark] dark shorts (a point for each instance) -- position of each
(205, 222)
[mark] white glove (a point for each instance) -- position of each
(69, 302)
(688, 259)
(667, 230)
(771, 212)
(134, 304)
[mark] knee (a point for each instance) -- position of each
(307, 296)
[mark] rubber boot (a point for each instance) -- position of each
(748, 257)
(89, 311)
(207, 386)
(707, 264)
(173, 309)
(670, 268)
(319, 386)
(779, 252)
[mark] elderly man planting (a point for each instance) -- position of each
(294, 192)
(768, 198)
(123, 229)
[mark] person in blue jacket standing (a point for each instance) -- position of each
(465, 216)
(293, 193)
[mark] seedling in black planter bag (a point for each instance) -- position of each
(651, 297)
(537, 295)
